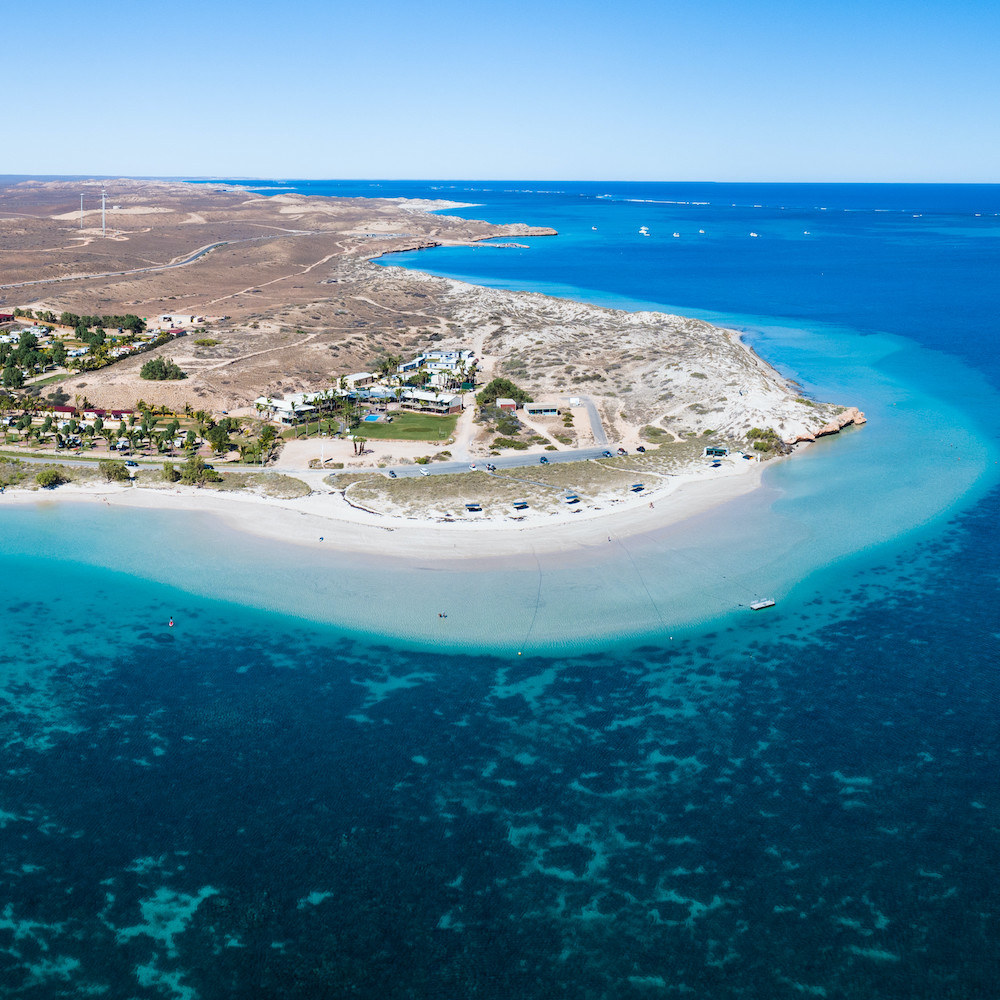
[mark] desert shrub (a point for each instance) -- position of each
(765, 440)
(161, 370)
(11, 472)
(501, 387)
(195, 472)
(50, 478)
(113, 472)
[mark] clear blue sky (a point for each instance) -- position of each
(784, 90)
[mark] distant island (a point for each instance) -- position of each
(191, 328)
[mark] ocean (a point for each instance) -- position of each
(608, 779)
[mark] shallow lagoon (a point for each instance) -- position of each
(917, 460)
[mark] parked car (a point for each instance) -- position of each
(606, 454)
(543, 460)
(622, 451)
(133, 465)
(641, 448)
(392, 474)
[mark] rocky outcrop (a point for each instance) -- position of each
(851, 415)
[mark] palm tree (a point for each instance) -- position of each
(267, 438)
(349, 411)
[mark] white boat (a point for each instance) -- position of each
(644, 230)
(767, 602)
(677, 236)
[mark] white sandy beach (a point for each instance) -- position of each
(324, 519)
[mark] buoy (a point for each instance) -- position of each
(171, 623)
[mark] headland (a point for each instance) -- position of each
(324, 372)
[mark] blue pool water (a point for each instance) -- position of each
(371, 418)
(303, 789)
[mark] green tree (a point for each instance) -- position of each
(501, 387)
(218, 438)
(50, 478)
(268, 436)
(113, 471)
(160, 370)
(195, 472)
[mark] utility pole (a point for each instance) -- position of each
(81, 211)
(104, 198)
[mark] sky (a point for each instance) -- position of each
(676, 90)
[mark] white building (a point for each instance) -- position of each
(430, 402)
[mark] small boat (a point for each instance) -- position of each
(767, 602)
(644, 230)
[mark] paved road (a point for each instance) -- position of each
(402, 471)
(506, 462)
(596, 427)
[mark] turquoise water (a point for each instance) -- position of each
(304, 788)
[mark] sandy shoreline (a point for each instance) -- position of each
(325, 520)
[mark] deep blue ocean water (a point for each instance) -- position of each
(258, 803)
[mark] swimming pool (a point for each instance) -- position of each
(371, 418)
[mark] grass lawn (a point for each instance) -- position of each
(406, 426)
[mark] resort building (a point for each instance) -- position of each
(438, 361)
(286, 411)
(506, 403)
(430, 402)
